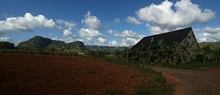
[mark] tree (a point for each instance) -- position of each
(6, 45)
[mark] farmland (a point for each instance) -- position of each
(26, 74)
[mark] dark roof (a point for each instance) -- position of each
(167, 38)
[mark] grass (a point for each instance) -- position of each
(157, 86)
(111, 92)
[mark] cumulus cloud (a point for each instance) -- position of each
(113, 43)
(4, 39)
(208, 34)
(129, 41)
(102, 39)
(66, 27)
(92, 22)
(67, 24)
(67, 32)
(88, 33)
(26, 23)
(125, 34)
(91, 30)
(168, 16)
(132, 20)
(128, 37)
(124, 42)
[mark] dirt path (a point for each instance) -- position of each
(192, 82)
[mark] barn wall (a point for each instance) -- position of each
(191, 45)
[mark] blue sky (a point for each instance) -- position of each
(106, 22)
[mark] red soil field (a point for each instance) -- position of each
(23, 74)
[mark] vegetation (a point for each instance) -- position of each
(157, 86)
(158, 53)
(6, 45)
(212, 45)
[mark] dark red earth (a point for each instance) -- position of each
(23, 74)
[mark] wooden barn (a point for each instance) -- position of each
(184, 37)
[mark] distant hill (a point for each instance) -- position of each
(6, 45)
(76, 45)
(57, 45)
(95, 47)
(212, 45)
(38, 43)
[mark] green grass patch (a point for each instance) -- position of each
(157, 86)
(111, 92)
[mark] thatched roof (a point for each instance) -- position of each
(168, 38)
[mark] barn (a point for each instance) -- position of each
(184, 37)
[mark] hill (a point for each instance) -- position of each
(40, 43)
(36, 42)
(6, 45)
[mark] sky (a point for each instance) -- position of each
(107, 22)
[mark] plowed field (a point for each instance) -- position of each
(23, 74)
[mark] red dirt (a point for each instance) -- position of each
(22, 74)
(217, 70)
(179, 87)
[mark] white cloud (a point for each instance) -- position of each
(91, 30)
(67, 24)
(66, 39)
(92, 22)
(208, 34)
(125, 34)
(4, 39)
(66, 32)
(129, 41)
(88, 33)
(128, 37)
(66, 27)
(123, 42)
(26, 23)
(169, 16)
(102, 40)
(130, 34)
(116, 20)
(113, 43)
(132, 20)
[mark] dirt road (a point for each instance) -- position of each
(190, 82)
